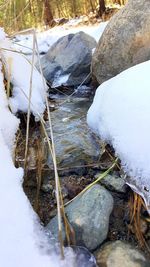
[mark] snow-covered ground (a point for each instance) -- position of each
(19, 72)
(22, 239)
(23, 242)
(120, 114)
(47, 38)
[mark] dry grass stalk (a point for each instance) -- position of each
(29, 104)
(53, 153)
(95, 182)
(39, 159)
(135, 204)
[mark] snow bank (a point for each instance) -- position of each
(22, 239)
(19, 70)
(8, 122)
(120, 114)
(48, 38)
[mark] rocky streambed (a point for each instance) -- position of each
(101, 215)
(108, 220)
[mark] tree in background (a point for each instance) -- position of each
(102, 7)
(48, 16)
(22, 14)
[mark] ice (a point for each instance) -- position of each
(58, 81)
(120, 114)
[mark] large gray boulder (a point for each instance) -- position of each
(125, 41)
(68, 61)
(89, 216)
(120, 254)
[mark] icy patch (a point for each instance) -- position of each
(18, 70)
(60, 80)
(120, 114)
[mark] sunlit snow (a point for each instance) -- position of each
(47, 38)
(23, 242)
(120, 114)
(18, 70)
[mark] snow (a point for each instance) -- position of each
(8, 122)
(19, 70)
(47, 38)
(22, 239)
(120, 114)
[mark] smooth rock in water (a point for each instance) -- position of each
(74, 143)
(120, 254)
(89, 216)
(68, 61)
(125, 41)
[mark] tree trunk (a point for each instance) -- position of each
(48, 16)
(102, 7)
(118, 2)
(91, 4)
(58, 8)
(74, 7)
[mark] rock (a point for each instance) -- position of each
(68, 61)
(89, 216)
(125, 41)
(74, 143)
(120, 254)
(62, 21)
(53, 23)
(59, 21)
(113, 183)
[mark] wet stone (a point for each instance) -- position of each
(89, 215)
(120, 254)
(75, 144)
